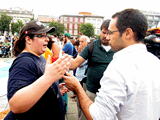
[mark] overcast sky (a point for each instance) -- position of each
(97, 7)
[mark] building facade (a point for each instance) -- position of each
(18, 14)
(45, 19)
(153, 19)
(72, 22)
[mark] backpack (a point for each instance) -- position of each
(75, 52)
(90, 50)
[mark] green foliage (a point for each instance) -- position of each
(16, 27)
(5, 20)
(31, 19)
(87, 29)
(97, 36)
(60, 28)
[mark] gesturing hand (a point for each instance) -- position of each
(63, 89)
(56, 70)
(71, 82)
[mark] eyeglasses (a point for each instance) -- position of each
(40, 36)
(111, 32)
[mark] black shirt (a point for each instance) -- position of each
(26, 69)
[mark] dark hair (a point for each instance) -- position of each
(134, 19)
(55, 35)
(50, 42)
(20, 44)
(76, 43)
(105, 24)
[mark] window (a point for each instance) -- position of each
(150, 17)
(65, 24)
(70, 32)
(156, 18)
(150, 22)
(81, 20)
(70, 26)
(61, 21)
(98, 32)
(76, 19)
(65, 18)
(88, 20)
(71, 19)
(156, 22)
(99, 22)
(75, 26)
(94, 21)
(75, 32)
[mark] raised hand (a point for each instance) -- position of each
(56, 70)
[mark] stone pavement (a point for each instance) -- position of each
(72, 113)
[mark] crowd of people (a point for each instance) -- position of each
(6, 45)
(113, 78)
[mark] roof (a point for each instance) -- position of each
(16, 10)
(45, 19)
(80, 15)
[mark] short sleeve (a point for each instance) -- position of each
(84, 53)
(65, 48)
(23, 72)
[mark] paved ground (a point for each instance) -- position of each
(72, 113)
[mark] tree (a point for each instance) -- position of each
(31, 19)
(87, 29)
(5, 20)
(16, 27)
(60, 28)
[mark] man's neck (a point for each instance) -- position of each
(68, 40)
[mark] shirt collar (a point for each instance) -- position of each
(100, 45)
(130, 49)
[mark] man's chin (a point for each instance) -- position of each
(106, 44)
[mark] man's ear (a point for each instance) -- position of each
(129, 33)
(28, 40)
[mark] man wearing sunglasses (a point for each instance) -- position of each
(130, 88)
(32, 89)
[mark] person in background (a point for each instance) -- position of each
(68, 47)
(98, 61)
(48, 54)
(5, 47)
(32, 89)
(55, 48)
(63, 41)
(60, 45)
(76, 45)
(80, 73)
(130, 88)
(2, 38)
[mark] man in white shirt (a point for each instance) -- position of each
(130, 88)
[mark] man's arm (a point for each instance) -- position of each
(76, 62)
(84, 100)
(110, 98)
